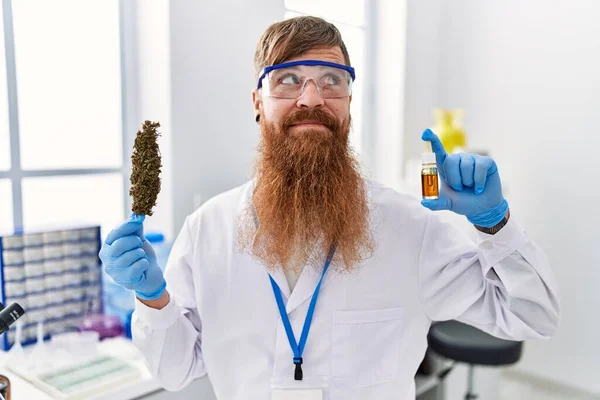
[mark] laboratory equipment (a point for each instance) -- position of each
(16, 354)
(429, 176)
(40, 356)
(9, 315)
(87, 378)
(105, 325)
(73, 367)
(53, 273)
(162, 247)
(5, 387)
(448, 126)
(118, 301)
(73, 347)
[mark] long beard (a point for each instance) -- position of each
(309, 195)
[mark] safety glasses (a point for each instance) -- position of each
(289, 80)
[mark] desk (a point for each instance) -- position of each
(24, 390)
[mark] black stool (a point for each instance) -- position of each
(467, 344)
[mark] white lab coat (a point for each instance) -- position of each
(368, 334)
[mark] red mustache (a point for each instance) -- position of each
(313, 115)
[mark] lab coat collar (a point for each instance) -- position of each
(282, 282)
(306, 285)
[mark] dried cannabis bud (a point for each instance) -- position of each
(145, 172)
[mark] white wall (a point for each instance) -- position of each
(423, 72)
(214, 133)
(527, 75)
(386, 42)
(149, 75)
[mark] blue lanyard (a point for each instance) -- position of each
(298, 348)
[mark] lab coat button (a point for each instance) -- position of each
(487, 245)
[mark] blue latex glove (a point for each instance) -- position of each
(130, 261)
(470, 185)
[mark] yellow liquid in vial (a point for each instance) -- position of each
(429, 184)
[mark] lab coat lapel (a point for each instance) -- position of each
(305, 287)
(282, 282)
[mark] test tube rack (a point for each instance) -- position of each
(55, 275)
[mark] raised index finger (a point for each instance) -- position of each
(436, 146)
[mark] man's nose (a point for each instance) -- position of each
(310, 97)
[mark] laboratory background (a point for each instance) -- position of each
(516, 80)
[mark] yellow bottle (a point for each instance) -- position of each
(448, 127)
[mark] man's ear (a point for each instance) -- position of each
(256, 101)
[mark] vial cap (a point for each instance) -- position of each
(428, 158)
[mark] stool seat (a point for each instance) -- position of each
(465, 343)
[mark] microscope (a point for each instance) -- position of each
(8, 316)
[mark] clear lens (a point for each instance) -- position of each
(290, 82)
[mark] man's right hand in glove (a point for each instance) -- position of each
(130, 261)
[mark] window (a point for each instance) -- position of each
(6, 221)
(4, 135)
(75, 62)
(88, 198)
(63, 154)
(349, 17)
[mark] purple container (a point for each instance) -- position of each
(106, 325)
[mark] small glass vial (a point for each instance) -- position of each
(429, 177)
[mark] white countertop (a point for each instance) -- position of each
(121, 347)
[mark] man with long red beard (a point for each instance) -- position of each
(312, 282)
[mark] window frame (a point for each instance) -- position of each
(16, 173)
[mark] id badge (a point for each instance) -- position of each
(310, 388)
